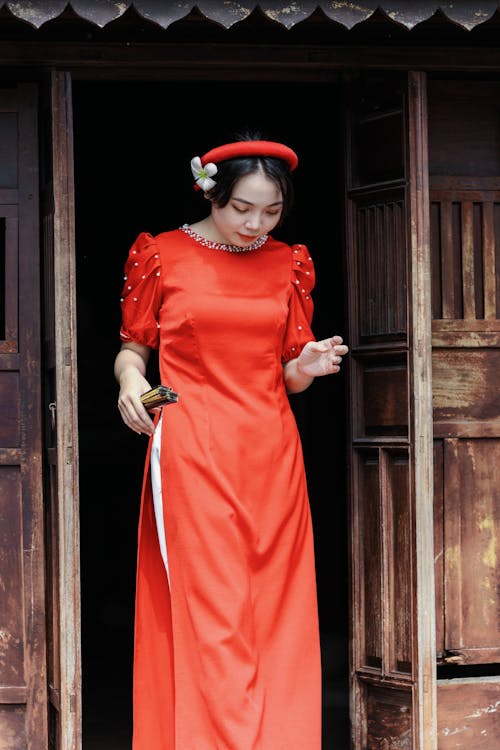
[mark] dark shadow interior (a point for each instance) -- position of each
(133, 146)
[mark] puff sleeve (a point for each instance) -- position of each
(298, 329)
(142, 293)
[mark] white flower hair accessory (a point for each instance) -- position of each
(203, 174)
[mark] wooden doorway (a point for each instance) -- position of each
(132, 174)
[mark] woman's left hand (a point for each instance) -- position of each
(322, 357)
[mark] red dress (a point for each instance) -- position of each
(226, 650)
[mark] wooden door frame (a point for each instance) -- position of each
(420, 383)
(65, 694)
(65, 297)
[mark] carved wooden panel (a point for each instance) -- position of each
(388, 719)
(384, 525)
(8, 146)
(465, 237)
(370, 559)
(10, 402)
(9, 258)
(464, 118)
(385, 396)
(12, 643)
(381, 267)
(398, 532)
(12, 723)
(465, 385)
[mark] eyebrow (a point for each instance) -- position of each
(249, 203)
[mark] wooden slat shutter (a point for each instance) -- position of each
(23, 720)
(392, 614)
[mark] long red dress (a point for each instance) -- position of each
(227, 652)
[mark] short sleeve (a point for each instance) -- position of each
(302, 278)
(142, 293)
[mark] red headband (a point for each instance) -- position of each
(251, 148)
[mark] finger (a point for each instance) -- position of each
(136, 418)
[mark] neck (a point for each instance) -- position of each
(207, 229)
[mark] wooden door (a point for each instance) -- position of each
(23, 720)
(60, 412)
(393, 702)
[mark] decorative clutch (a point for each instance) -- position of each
(159, 396)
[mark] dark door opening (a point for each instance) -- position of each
(133, 146)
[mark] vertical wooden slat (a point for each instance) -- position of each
(67, 412)
(402, 583)
(424, 625)
(370, 650)
(387, 535)
(468, 285)
(439, 544)
(436, 250)
(452, 545)
(447, 263)
(489, 274)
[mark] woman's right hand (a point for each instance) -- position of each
(130, 366)
(132, 411)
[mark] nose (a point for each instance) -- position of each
(253, 221)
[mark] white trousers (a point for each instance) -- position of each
(157, 493)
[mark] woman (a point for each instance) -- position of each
(227, 650)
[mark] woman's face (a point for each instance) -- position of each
(254, 209)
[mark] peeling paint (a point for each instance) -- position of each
(452, 556)
(491, 709)
(489, 556)
(450, 732)
(403, 742)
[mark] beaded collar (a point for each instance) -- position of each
(220, 245)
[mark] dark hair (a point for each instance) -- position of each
(232, 170)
